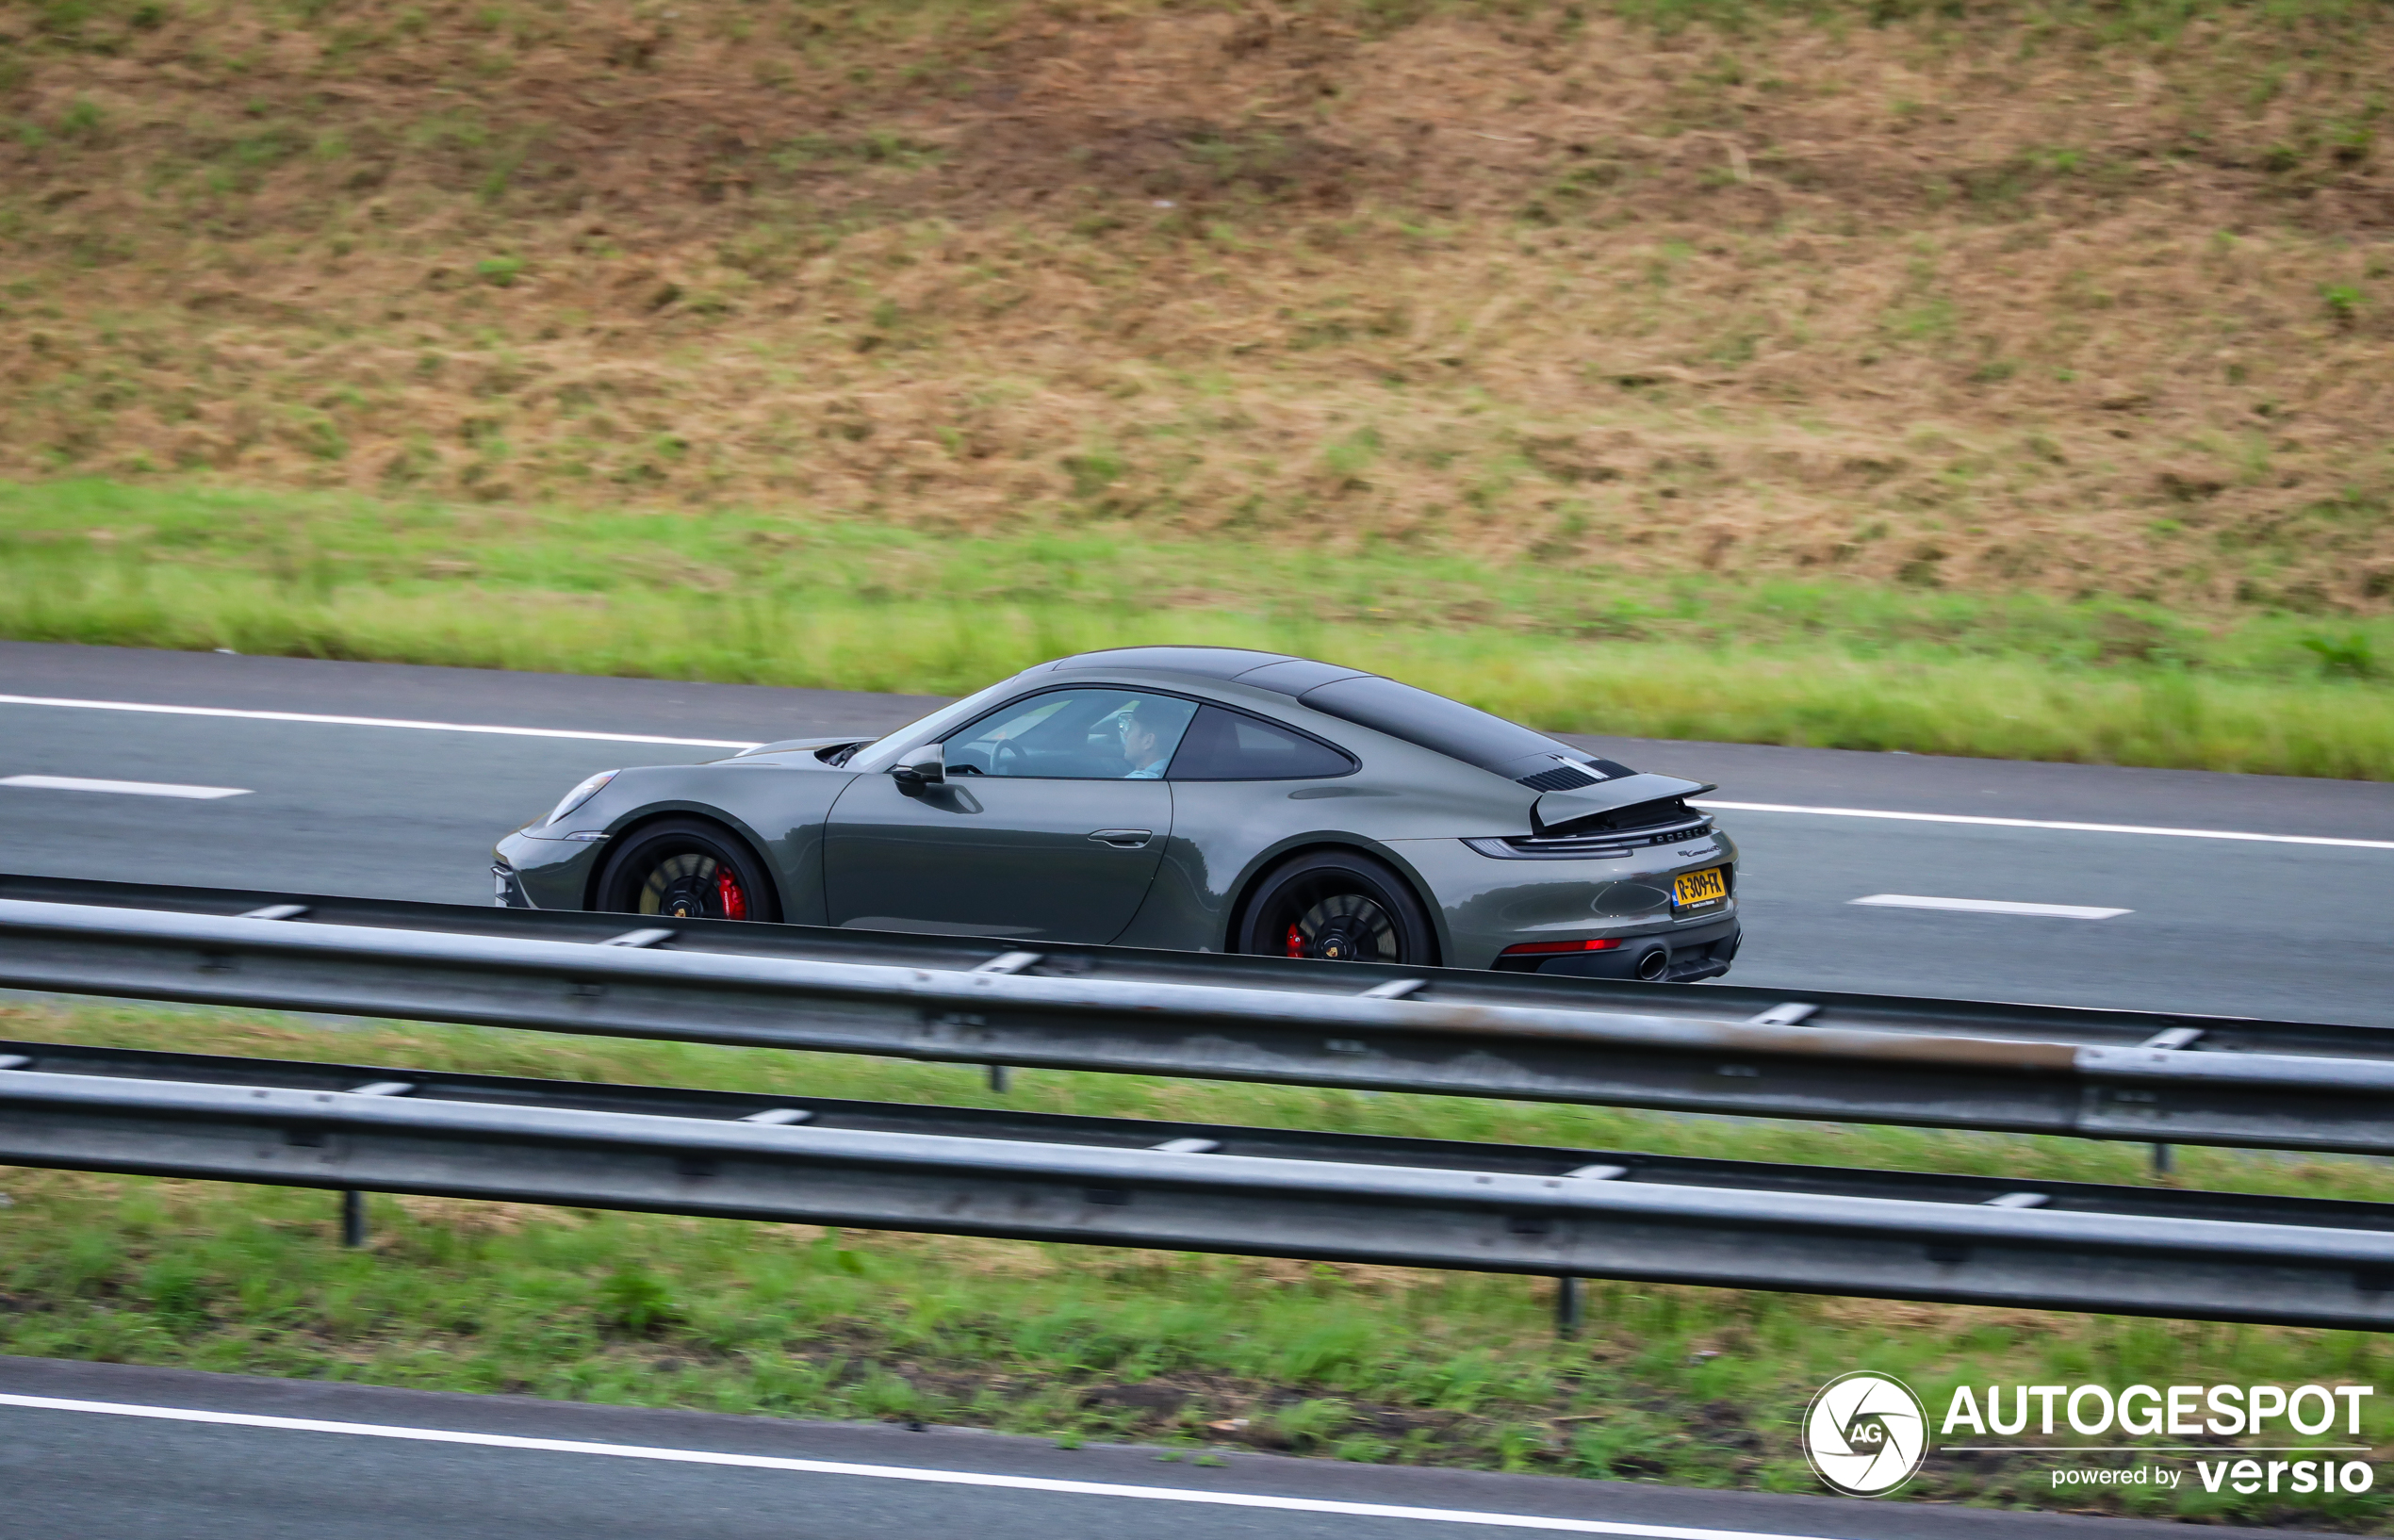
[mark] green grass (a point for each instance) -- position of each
(766, 597)
(1689, 1385)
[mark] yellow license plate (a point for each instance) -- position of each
(1708, 886)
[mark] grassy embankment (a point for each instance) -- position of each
(1763, 337)
(734, 594)
(1689, 1385)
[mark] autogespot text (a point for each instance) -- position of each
(2142, 1411)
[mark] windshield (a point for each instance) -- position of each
(1453, 729)
(883, 751)
(1102, 734)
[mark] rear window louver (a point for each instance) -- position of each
(1563, 778)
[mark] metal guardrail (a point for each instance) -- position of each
(1191, 1187)
(1957, 1064)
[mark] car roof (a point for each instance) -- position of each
(1372, 701)
(1275, 671)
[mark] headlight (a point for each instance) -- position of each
(581, 795)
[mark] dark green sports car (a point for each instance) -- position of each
(1198, 798)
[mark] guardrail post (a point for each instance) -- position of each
(2165, 1159)
(354, 1202)
(1566, 1306)
(1000, 1078)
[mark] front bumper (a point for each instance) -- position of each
(535, 873)
(1696, 952)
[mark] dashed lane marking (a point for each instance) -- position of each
(1988, 906)
(122, 788)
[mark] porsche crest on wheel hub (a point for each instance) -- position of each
(1344, 927)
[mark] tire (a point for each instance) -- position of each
(687, 869)
(1341, 907)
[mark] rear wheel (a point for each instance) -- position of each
(687, 869)
(1339, 906)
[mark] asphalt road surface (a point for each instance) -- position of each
(103, 1452)
(2290, 924)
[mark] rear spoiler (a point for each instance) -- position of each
(1599, 806)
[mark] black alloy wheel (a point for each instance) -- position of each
(687, 869)
(1339, 906)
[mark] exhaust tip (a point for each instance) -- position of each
(1652, 965)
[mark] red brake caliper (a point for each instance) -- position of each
(726, 887)
(1296, 942)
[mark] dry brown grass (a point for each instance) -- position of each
(1999, 305)
(482, 1217)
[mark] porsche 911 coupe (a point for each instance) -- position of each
(1193, 798)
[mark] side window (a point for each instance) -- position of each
(1232, 746)
(1074, 735)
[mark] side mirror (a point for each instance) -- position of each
(921, 767)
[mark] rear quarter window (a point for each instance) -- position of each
(1231, 745)
(1448, 727)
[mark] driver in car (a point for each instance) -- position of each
(1141, 749)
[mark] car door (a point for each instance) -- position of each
(1044, 829)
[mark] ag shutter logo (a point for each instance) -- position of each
(1865, 1433)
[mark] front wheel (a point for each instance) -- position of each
(1339, 906)
(687, 869)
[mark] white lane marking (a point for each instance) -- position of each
(2044, 823)
(899, 1473)
(377, 722)
(122, 788)
(743, 743)
(1988, 906)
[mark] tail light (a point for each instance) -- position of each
(1533, 949)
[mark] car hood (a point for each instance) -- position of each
(800, 745)
(1595, 806)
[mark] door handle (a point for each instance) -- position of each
(1124, 839)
